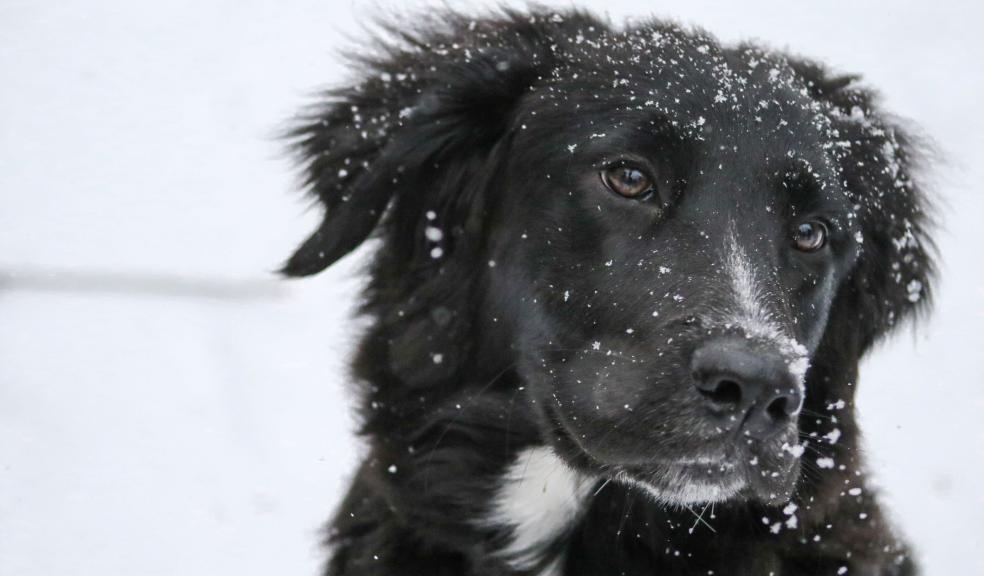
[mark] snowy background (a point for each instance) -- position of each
(168, 407)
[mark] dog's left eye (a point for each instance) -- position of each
(810, 236)
(628, 180)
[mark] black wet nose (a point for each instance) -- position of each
(740, 381)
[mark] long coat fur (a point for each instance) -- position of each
(457, 145)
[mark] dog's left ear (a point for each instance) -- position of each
(433, 105)
(879, 163)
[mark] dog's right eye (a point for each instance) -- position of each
(628, 180)
(810, 236)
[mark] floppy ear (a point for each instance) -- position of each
(431, 100)
(879, 164)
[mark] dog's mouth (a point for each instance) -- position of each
(685, 482)
(742, 471)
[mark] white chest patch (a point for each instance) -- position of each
(540, 497)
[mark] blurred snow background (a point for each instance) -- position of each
(168, 407)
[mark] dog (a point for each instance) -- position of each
(624, 280)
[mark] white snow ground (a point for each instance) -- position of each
(196, 423)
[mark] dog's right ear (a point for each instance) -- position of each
(435, 98)
(880, 167)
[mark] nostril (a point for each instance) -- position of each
(724, 392)
(779, 409)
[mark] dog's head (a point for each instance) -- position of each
(676, 244)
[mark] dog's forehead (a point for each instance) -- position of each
(690, 79)
(743, 107)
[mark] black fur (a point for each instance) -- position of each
(482, 341)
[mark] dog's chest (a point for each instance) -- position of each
(538, 501)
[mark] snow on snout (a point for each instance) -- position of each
(752, 315)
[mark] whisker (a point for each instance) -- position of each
(629, 502)
(700, 518)
(602, 487)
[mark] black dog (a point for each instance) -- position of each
(624, 284)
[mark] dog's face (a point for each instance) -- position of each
(675, 256)
(658, 231)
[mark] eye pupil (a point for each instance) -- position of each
(632, 177)
(810, 236)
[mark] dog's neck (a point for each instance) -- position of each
(548, 511)
(473, 474)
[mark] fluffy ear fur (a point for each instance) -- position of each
(421, 123)
(891, 281)
(410, 152)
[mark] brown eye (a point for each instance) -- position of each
(627, 180)
(810, 236)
